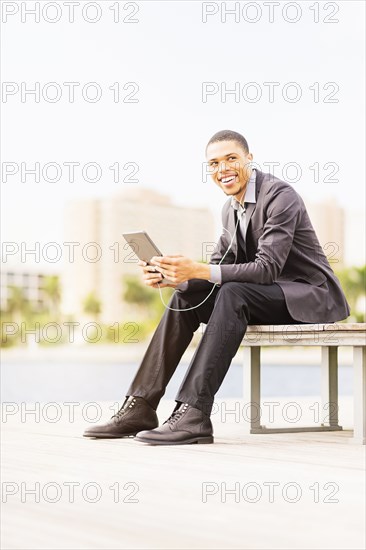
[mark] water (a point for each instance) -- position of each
(59, 381)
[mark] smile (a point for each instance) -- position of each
(228, 180)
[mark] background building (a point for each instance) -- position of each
(328, 220)
(101, 255)
(30, 282)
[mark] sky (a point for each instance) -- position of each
(172, 70)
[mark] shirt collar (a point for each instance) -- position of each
(249, 193)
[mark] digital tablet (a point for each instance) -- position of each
(142, 245)
(144, 248)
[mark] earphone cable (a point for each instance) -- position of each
(215, 284)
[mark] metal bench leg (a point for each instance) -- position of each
(359, 395)
(329, 369)
(252, 387)
(329, 387)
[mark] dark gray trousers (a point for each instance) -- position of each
(227, 314)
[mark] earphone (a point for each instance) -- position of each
(240, 215)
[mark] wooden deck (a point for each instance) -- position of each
(182, 493)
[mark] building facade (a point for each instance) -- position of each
(328, 219)
(29, 281)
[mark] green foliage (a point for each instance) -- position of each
(137, 293)
(8, 326)
(146, 299)
(18, 304)
(127, 332)
(92, 305)
(149, 309)
(353, 281)
(52, 290)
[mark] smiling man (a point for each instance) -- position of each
(268, 268)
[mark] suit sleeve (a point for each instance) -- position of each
(282, 211)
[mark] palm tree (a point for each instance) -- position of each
(18, 304)
(52, 289)
(92, 305)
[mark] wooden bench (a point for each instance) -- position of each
(329, 337)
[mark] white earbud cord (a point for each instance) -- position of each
(214, 284)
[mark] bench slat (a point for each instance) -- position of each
(331, 334)
(338, 327)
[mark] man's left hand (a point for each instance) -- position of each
(179, 268)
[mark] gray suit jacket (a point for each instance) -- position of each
(281, 247)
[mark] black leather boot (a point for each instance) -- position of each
(186, 425)
(134, 415)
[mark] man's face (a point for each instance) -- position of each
(229, 167)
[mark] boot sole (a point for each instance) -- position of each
(108, 436)
(192, 441)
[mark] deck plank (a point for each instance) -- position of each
(170, 512)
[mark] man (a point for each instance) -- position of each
(268, 267)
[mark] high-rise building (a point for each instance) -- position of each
(101, 255)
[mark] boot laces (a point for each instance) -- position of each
(128, 404)
(176, 415)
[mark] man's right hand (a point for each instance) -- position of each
(152, 278)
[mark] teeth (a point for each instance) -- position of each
(227, 180)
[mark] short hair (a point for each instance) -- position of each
(229, 135)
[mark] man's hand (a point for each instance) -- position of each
(152, 279)
(178, 268)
